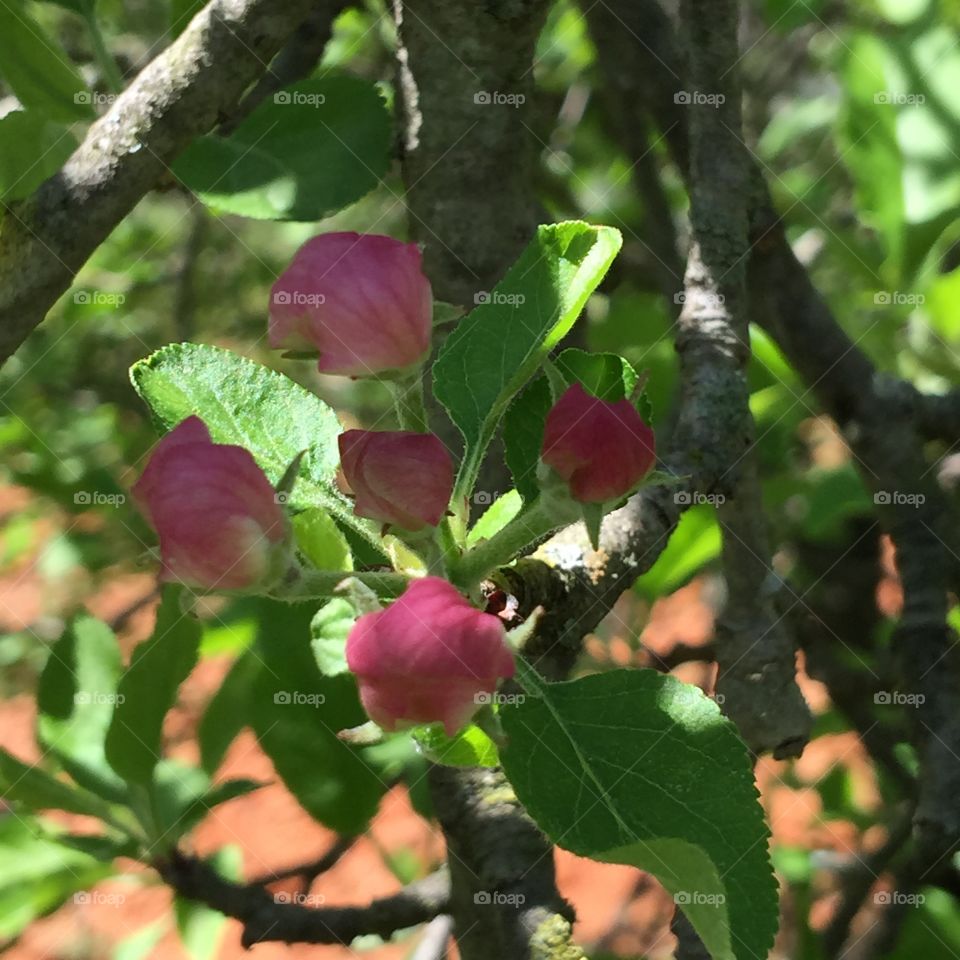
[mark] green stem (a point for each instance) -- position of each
(408, 403)
(108, 66)
(524, 530)
(310, 584)
(447, 541)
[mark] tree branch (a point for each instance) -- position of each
(468, 161)
(266, 917)
(876, 415)
(312, 869)
(757, 661)
(183, 93)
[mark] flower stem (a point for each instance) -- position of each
(408, 404)
(525, 529)
(308, 584)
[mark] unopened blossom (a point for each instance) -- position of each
(397, 476)
(602, 450)
(213, 508)
(361, 301)
(430, 657)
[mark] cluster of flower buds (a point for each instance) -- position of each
(362, 305)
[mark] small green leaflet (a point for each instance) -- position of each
(471, 747)
(635, 767)
(495, 518)
(328, 631)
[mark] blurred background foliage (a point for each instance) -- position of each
(852, 109)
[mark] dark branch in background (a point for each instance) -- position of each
(757, 675)
(876, 415)
(860, 882)
(689, 945)
(296, 60)
(184, 92)
(938, 417)
(468, 168)
(834, 615)
(266, 917)
(880, 429)
(312, 869)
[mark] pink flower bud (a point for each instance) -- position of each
(601, 449)
(430, 657)
(213, 508)
(361, 300)
(401, 478)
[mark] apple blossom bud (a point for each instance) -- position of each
(214, 510)
(361, 300)
(430, 657)
(398, 477)
(601, 450)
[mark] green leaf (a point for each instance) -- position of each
(182, 12)
(309, 151)
(38, 873)
(496, 517)
(140, 945)
(694, 543)
(38, 70)
(32, 149)
(226, 714)
(246, 404)
(329, 629)
(592, 514)
(471, 747)
(181, 796)
(868, 134)
(297, 713)
(638, 768)
(75, 703)
(38, 790)
(523, 436)
(605, 375)
(322, 541)
(497, 347)
(174, 789)
(148, 689)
